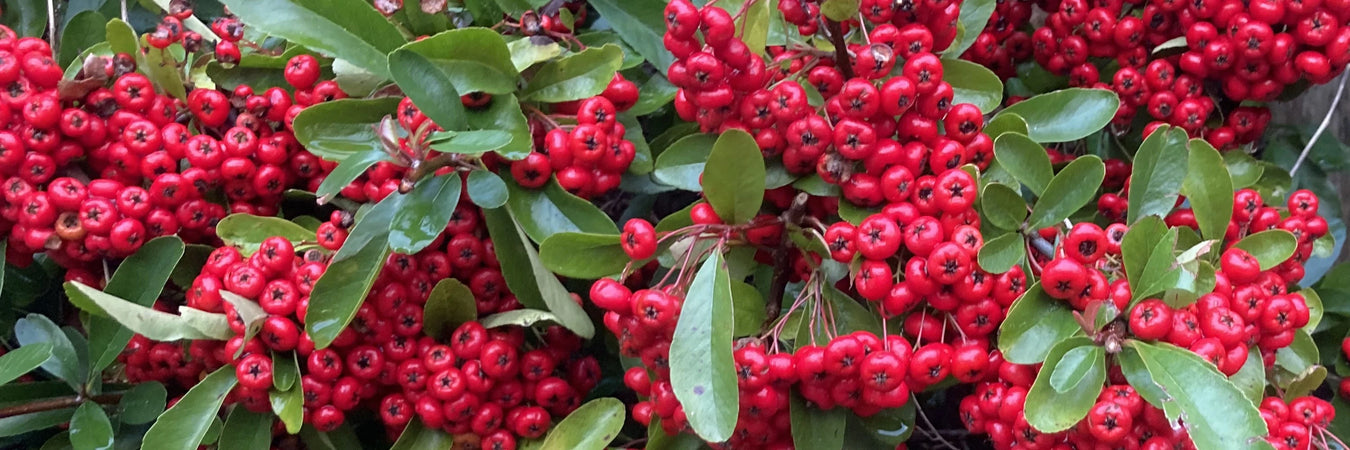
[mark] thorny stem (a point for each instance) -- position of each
(57, 403)
(1335, 101)
(841, 60)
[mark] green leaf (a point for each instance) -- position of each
(1251, 378)
(23, 360)
(64, 362)
(429, 86)
(1067, 114)
(529, 51)
(518, 317)
(418, 437)
(246, 231)
(583, 255)
(473, 142)
(973, 83)
(338, 129)
(1216, 414)
(544, 212)
(682, 163)
(1074, 366)
(1270, 247)
(1001, 253)
(351, 273)
(473, 59)
(1035, 323)
(1070, 190)
(184, 425)
(143, 403)
(90, 428)
(1003, 207)
(1025, 160)
(584, 74)
(81, 32)
(486, 189)
(424, 213)
(1159, 170)
(839, 10)
(450, 303)
(975, 14)
(349, 29)
(1209, 189)
(246, 430)
(813, 427)
(641, 25)
(24, 423)
(1138, 245)
(733, 179)
(533, 284)
(1052, 409)
(703, 373)
(1244, 169)
(591, 427)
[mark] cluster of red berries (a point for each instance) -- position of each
(1300, 423)
(591, 157)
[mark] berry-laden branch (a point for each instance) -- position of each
(57, 403)
(782, 262)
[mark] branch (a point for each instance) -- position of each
(841, 60)
(57, 403)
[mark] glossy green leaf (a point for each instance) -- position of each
(813, 427)
(351, 273)
(527, 277)
(1159, 170)
(733, 179)
(1001, 253)
(591, 427)
(24, 423)
(486, 189)
(972, 83)
(682, 163)
(583, 255)
(428, 86)
(90, 428)
(703, 373)
(1071, 189)
(1067, 114)
(544, 212)
(1052, 409)
(1003, 207)
(1251, 378)
(641, 25)
(450, 303)
(1244, 169)
(1074, 366)
(1270, 247)
(24, 359)
(1138, 245)
(337, 129)
(246, 430)
(347, 171)
(577, 76)
(1025, 160)
(183, 426)
(418, 437)
(1216, 414)
(143, 403)
(349, 29)
(246, 231)
(1209, 189)
(473, 59)
(518, 317)
(425, 213)
(526, 52)
(1035, 323)
(64, 362)
(975, 14)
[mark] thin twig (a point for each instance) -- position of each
(1335, 101)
